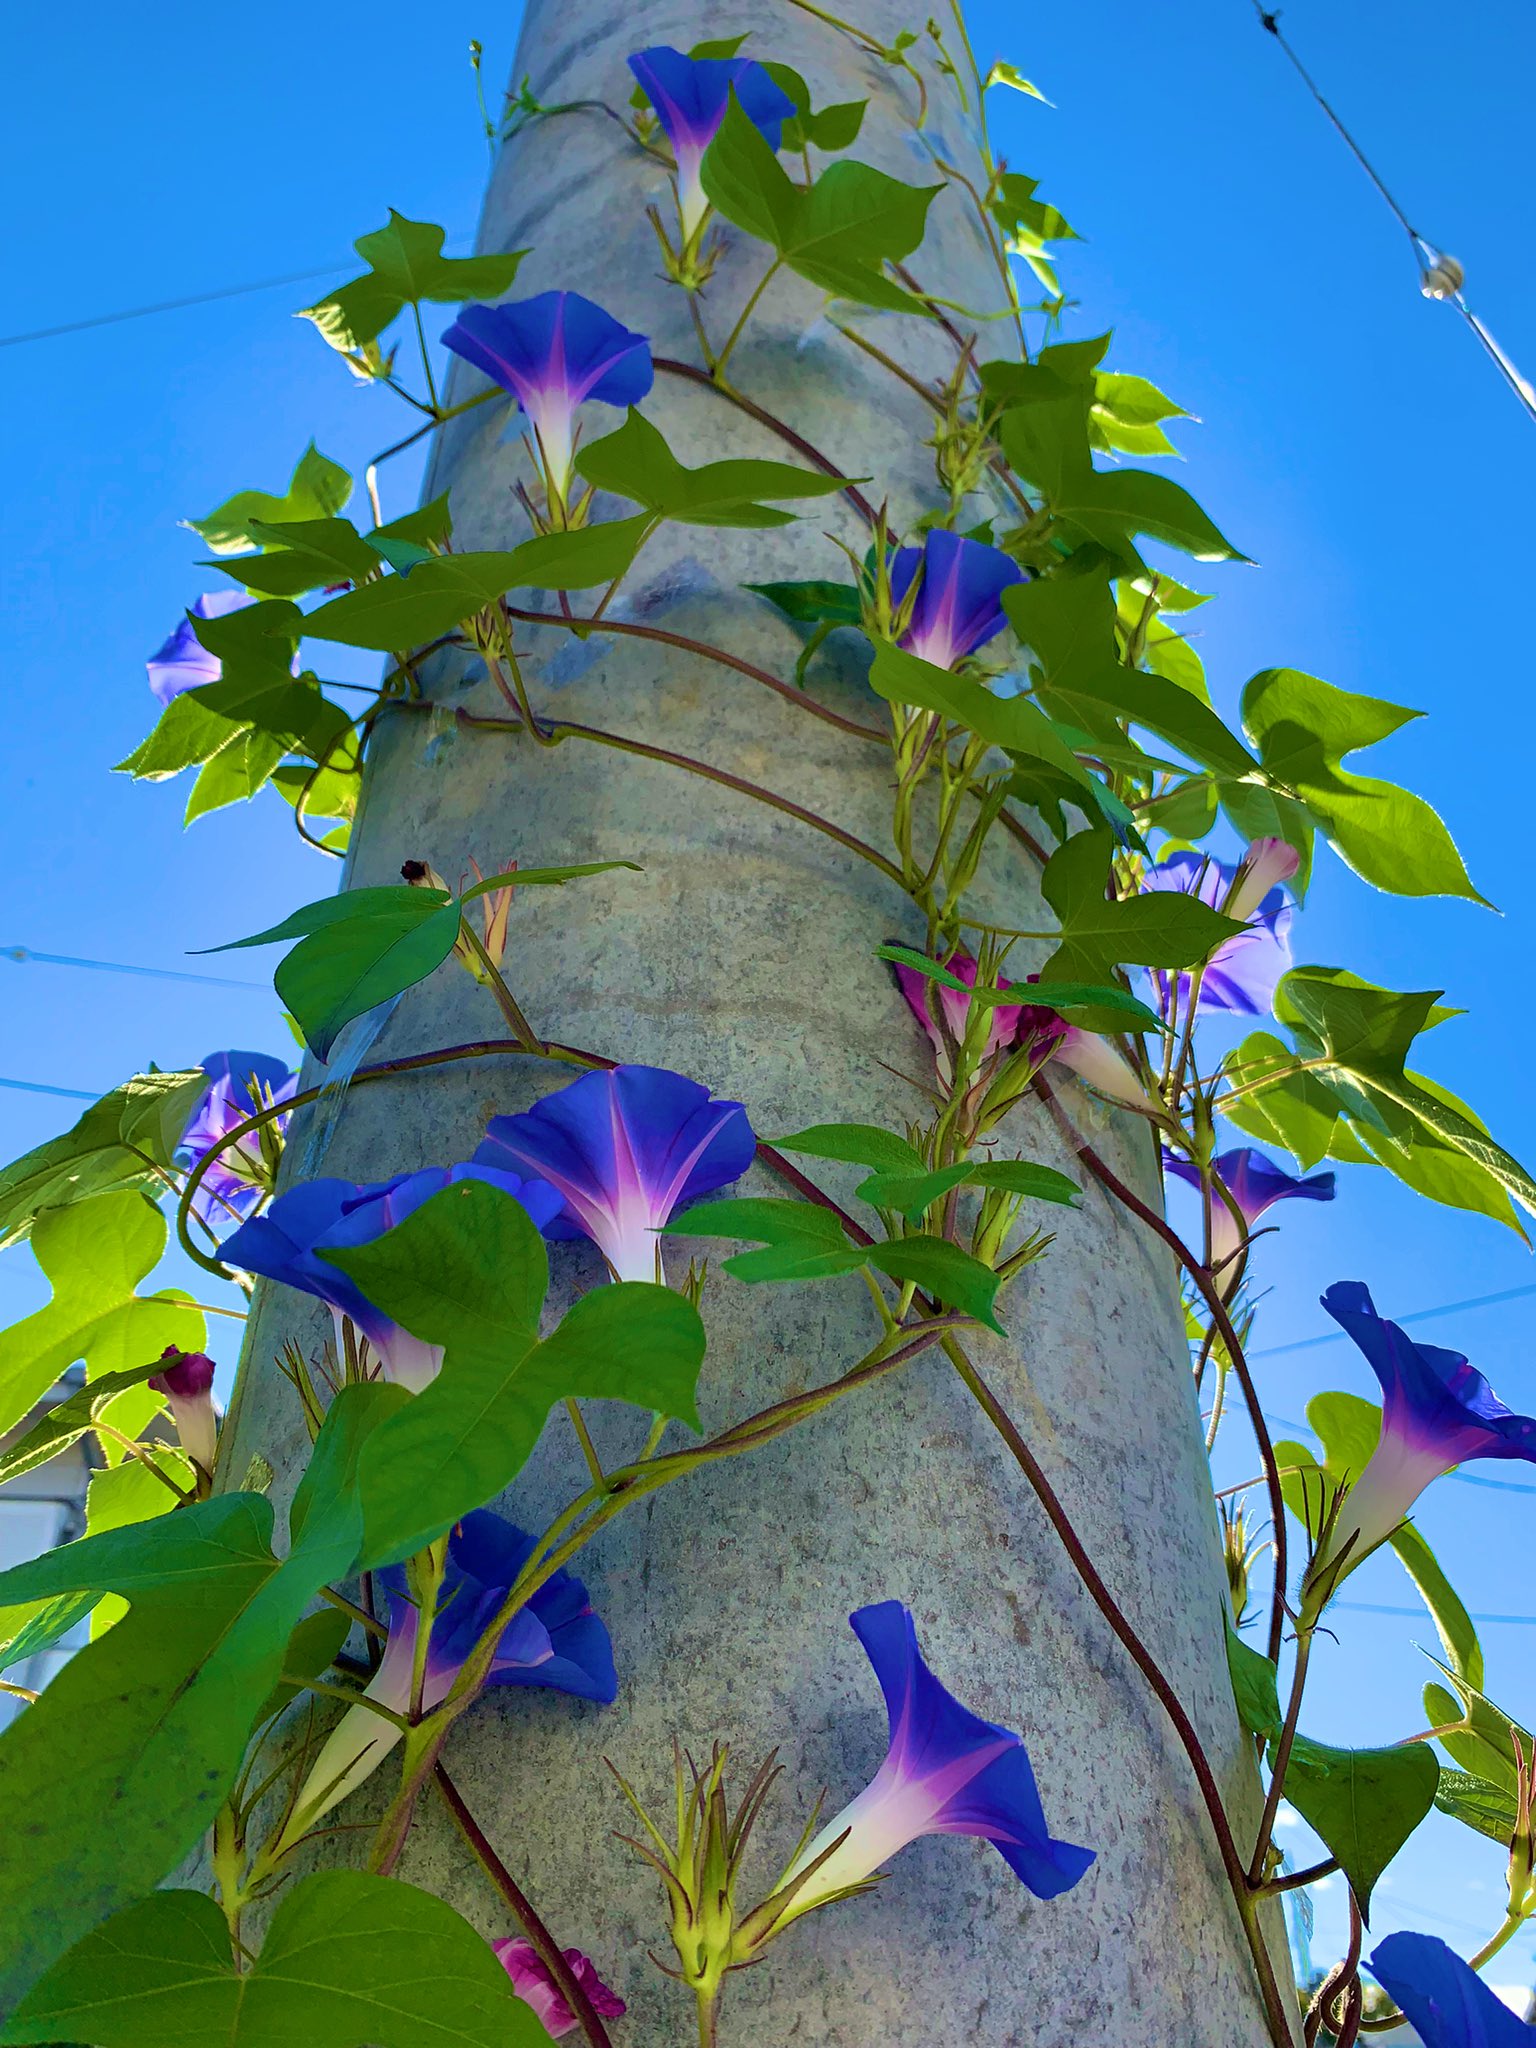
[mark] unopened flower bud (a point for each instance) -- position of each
(1266, 864)
(186, 1380)
(422, 875)
(1094, 1060)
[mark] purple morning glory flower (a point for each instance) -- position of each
(555, 1641)
(1437, 1411)
(625, 1150)
(1448, 2003)
(185, 1379)
(1255, 1183)
(553, 353)
(534, 1985)
(690, 95)
(958, 606)
(239, 1084)
(1244, 970)
(320, 1215)
(182, 661)
(948, 1772)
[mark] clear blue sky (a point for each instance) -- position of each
(1353, 441)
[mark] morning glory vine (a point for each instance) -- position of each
(1035, 696)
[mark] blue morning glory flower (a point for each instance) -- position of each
(555, 1641)
(1255, 1183)
(1437, 1411)
(554, 353)
(239, 1084)
(324, 1215)
(958, 606)
(625, 1150)
(690, 95)
(181, 662)
(1245, 970)
(1448, 2003)
(948, 1772)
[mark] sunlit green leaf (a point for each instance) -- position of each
(94, 1253)
(153, 1717)
(635, 462)
(405, 264)
(125, 1140)
(839, 235)
(1303, 729)
(317, 489)
(1362, 1803)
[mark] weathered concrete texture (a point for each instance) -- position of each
(744, 955)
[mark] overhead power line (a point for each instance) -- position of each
(1440, 275)
(228, 291)
(1419, 1315)
(43, 1088)
(26, 953)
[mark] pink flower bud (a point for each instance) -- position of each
(1266, 864)
(186, 1380)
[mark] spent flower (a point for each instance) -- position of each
(534, 1984)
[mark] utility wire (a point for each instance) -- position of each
(229, 291)
(1440, 275)
(25, 953)
(1420, 1315)
(42, 1088)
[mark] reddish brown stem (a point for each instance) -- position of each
(788, 691)
(785, 432)
(1211, 1296)
(566, 729)
(1150, 1670)
(548, 1950)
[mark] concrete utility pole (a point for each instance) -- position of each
(744, 956)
